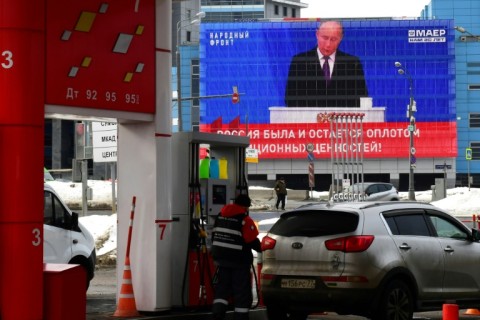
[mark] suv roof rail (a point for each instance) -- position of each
(387, 203)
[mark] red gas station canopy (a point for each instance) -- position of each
(101, 55)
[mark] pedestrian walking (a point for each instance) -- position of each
(281, 190)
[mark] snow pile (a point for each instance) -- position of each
(461, 202)
(104, 231)
(71, 193)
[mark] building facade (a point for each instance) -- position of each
(185, 33)
(427, 169)
(186, 14)
(465, 166)
(286, 107)
(466, 14)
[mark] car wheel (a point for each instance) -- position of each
(396, 302)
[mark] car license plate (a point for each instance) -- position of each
(298, 283)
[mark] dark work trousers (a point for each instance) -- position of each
(233, 282)
(281, 198)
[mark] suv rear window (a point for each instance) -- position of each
(315, 223)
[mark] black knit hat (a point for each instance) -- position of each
(243, 200)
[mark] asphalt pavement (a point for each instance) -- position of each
(101, 298)
(103, 307)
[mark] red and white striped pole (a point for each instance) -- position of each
(130, 227)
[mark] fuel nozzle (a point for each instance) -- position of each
(202, 233)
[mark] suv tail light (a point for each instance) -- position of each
(268, 243)
(350, 244)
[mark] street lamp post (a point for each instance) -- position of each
(199, 17)
(471, 35)
(411, 129)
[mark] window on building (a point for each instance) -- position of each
(285, 11)
(230, 2)
(196, 81)
(189, 36)
(474, 87)
(474, 121)
(475, 146)
(294, 13)
(232, 16)
(48, 143)
(195, 93)
(276, 10)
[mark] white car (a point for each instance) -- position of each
(65, 239)
(374, 191)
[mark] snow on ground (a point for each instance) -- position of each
(459, 202)
(71, 193)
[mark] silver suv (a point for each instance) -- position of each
(381, 260)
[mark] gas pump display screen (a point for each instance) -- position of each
(219, 194)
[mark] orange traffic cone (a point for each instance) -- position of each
(472, 312)
(126, 302)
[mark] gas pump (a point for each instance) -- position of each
(197, 199)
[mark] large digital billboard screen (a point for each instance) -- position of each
(288, 92)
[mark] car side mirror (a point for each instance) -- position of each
(74, 221)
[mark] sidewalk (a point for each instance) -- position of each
(103, 307)
(101, 302)
(265, 199)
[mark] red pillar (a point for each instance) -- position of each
(22, 83)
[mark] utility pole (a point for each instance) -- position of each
(412, 108)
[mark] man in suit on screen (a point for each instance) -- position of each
(326, 77)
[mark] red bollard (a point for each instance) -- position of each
(450, 312)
